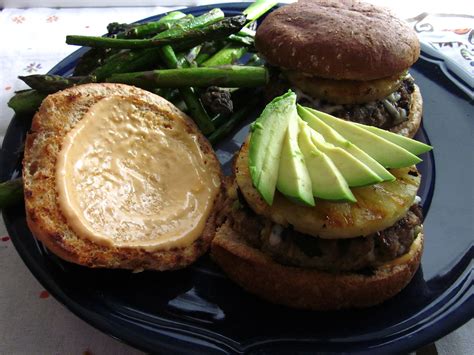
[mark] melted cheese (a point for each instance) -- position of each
(128, 177)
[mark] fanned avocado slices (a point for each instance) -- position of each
(305, 153)
(333, 137)
(293, 177)
(383, 151)
(266, 141)
(326, 180)
(354, 171)
(412, 145)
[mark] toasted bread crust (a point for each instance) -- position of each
(309, 289)
(57, 115)
(337, 40)
(412, 124)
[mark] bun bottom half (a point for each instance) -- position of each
(310, 289)
(57, 115)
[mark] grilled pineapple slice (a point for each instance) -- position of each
(345, 91)
(378, 206)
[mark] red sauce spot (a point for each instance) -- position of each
(8, 87)
(461, 31)
(44, 294)
(5, 239)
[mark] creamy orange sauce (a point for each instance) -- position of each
(126, 176)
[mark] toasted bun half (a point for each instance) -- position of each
(57, 115)
(409, 127)
(308, 288)
(336, 39)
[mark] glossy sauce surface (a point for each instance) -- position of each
(127, 177)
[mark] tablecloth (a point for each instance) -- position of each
(31, 321)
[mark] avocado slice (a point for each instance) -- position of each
(326, 180)
(412, 145)
(354, 171)
(266, 141)
(383, 151)
(333, 137)
(293, 177)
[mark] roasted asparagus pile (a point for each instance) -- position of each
(180, 57)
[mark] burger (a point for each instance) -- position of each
(346, 58)
(330, 256)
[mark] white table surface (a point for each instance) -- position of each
(31, 321)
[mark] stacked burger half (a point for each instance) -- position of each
(349, 59)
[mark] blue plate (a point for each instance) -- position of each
(199, 310)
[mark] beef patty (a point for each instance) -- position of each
(290, 247)
(386, 113)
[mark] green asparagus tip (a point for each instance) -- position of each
(258, 8)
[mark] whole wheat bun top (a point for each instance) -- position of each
(342, 39)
